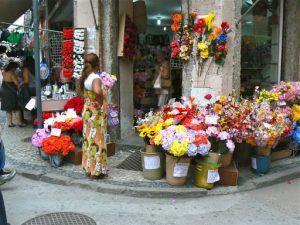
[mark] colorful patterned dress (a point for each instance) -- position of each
(94, 154)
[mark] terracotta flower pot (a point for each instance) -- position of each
(177, 169)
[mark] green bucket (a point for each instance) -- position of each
(153, 164)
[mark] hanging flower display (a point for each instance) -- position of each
(199, 37)
(130, 38)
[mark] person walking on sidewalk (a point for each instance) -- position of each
(94, 152)
(5, 175)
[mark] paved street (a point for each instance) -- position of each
(278, 204)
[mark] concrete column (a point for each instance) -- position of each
(109, 19)
(291, 43)
(222, 79)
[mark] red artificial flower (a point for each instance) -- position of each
(175, 26)
(217, 55)
(64, 126)
(77, 124)
(193, 14)
(166, 108)
(208, 96)
(225, 50)
(221, 47)
(76, 103)
(200, 139)
(44, 117)
(58, 145)
(225, 25)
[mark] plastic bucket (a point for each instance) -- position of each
(151, 149)
(153, 164)
(206, 174)
(263, 151)
(261, 164)
(177, 169)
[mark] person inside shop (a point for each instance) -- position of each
(94, 151)
(28, 74)
(162, 80)
(9, 97)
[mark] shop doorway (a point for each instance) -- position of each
(153, 54)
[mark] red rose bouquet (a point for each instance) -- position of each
(76, 103)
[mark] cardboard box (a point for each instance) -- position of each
(53, 105)
(281, 154)
(75, 157)
(229, 175)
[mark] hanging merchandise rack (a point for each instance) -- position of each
(51, 43)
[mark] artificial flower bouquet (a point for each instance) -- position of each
(108, 80)
(39, 136)
(58, 145)
(75, 103)
(199, 37)
(149, 126)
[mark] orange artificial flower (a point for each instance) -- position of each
(193, 14)
(217, 31)
(175, 26)
(218, 108)
(212, 37)
(177, 17)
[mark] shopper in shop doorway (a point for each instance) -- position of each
(9, 96)
(162, 80)
(94, 152)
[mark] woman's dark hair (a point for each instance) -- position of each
(91, 62)
(29, 63)
(2, 49)
(12, 66)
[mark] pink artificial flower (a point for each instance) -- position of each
(230, 145)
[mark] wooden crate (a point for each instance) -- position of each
(281, 154)
(229, 175)
(75, 157)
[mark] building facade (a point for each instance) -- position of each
(263, 48)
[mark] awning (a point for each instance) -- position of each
(11, 10)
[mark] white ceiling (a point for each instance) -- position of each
(162, 9)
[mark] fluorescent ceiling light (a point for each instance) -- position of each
(158, 21)
(165, 28)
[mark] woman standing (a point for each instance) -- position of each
(94, 154)
(9, 97)
(162, 80)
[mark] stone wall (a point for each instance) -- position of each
(222, 79)
(291, 43)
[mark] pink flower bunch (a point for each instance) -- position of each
(288, 91)
(108, 80)
(39, 136)
(175, 48)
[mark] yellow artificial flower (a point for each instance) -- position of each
(218, 108)
(168, 122)
(141, 127)
(296, 112)
(179, 148)
(202, 46)
(204, 54)
(158, 127)
(288, 85)
(158, 139)
(151, 132)
(223, 99)
(209, 20)
(144, 132)
(180, 128)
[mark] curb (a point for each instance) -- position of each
(173, 192)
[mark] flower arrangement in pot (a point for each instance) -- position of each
(269, 126)
(37, 140)
(181, 139)
(57, 148)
